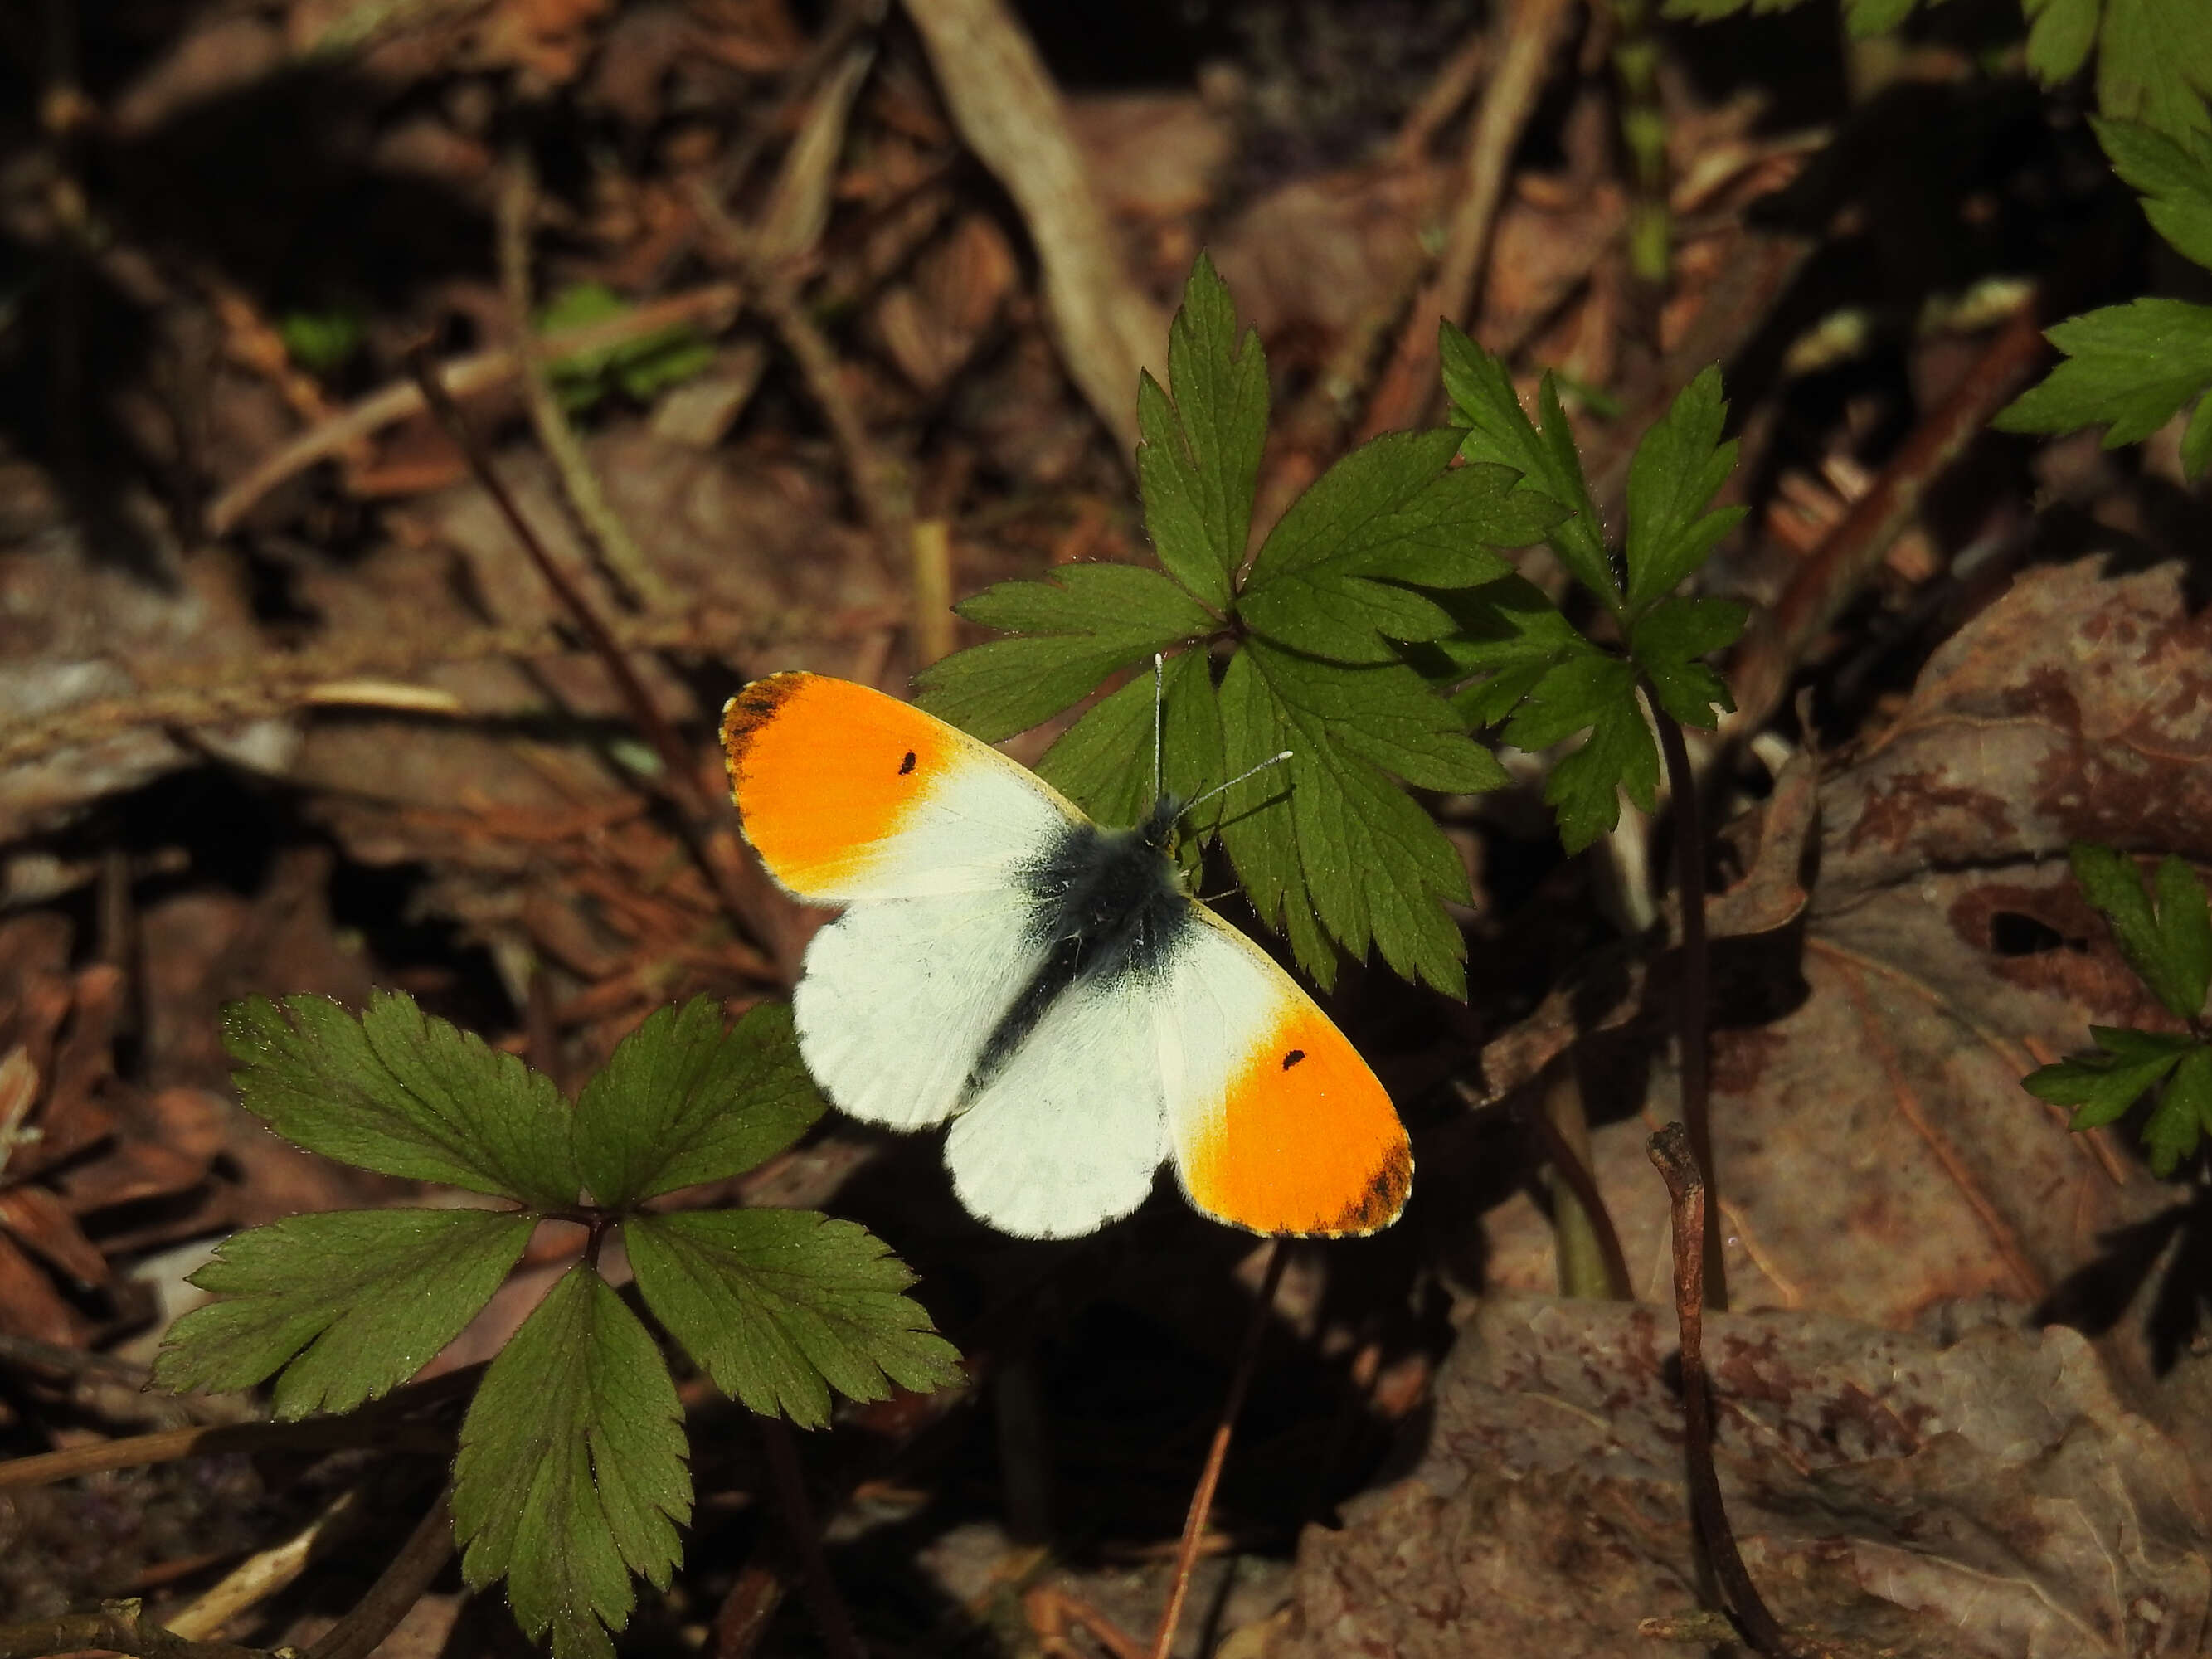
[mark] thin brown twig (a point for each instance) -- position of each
(1848, 554)
(1408, 386)
(619, 553)
(831, 1620)
(282, 682)
(1686, 1193)
(469, 376)
(1693, 984)
(1217, 1454)
(713, 847)
(397, 1589)
(167, 1445)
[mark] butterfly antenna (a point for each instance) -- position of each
(1219, 788)
(1159, 725)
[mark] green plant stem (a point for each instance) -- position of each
(1693, 984)
(1588, 1249)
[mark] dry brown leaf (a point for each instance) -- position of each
(1990, 1497)
(1876, 1153)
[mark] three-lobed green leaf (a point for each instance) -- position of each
(571, 1473)
(780, 1306)
(2165, 933)
(685, 1099)
(398, 1091)
(348, 1305)
(2130, 368)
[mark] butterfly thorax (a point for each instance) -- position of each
(1105, 905)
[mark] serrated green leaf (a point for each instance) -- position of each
(2154, 63)
(1680, 465)
(571, 1473)
(686, 1098)
(349, 1304)
(2185, 1112)
(1200, 457)
(1327, 836)
(1335, 576)
(1073, 631)
(1670, 641)
(2174, 175)
(2100, 1088)
(2163, 946)
(1509, 635)
(1104, 763)
(781, 1306)
(1501, 433)
(2184, 930)
(2059, 37)
(1865, 18)
(401, 1092)
(1596, 694)
(2129, 367)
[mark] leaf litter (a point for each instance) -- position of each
(1889, 968)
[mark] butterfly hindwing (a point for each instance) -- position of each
(1276, 1123)
(849, 795)
(1068, 1132)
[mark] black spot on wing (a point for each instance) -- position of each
(1294, 1058)
(907, 765)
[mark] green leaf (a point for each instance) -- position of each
(1325, 838)
(571, 1473)
(2168, 946)
(2103, 1082)
(1199, 456)
(2175, 177)
(641, 367)
(1087, 622)
(2185, 1112)
(1680, 465)
(320, 341)
(2154, 63)
(1335, 576)
(1865, 18)
(780, 1306)
(1104, 763)
(1502, 433)
(1670, 641)
(350, 1304)
(1510, 636)
(2130, 368)
(1596, 694)
(2059, 37)
(399, 1091)
(2184, 932)
(686, 1098)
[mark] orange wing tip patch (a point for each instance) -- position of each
(823, 771)
(1305, 1140)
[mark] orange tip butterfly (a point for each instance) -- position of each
(1047, 985)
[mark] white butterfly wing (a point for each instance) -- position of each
(1067, 1135)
